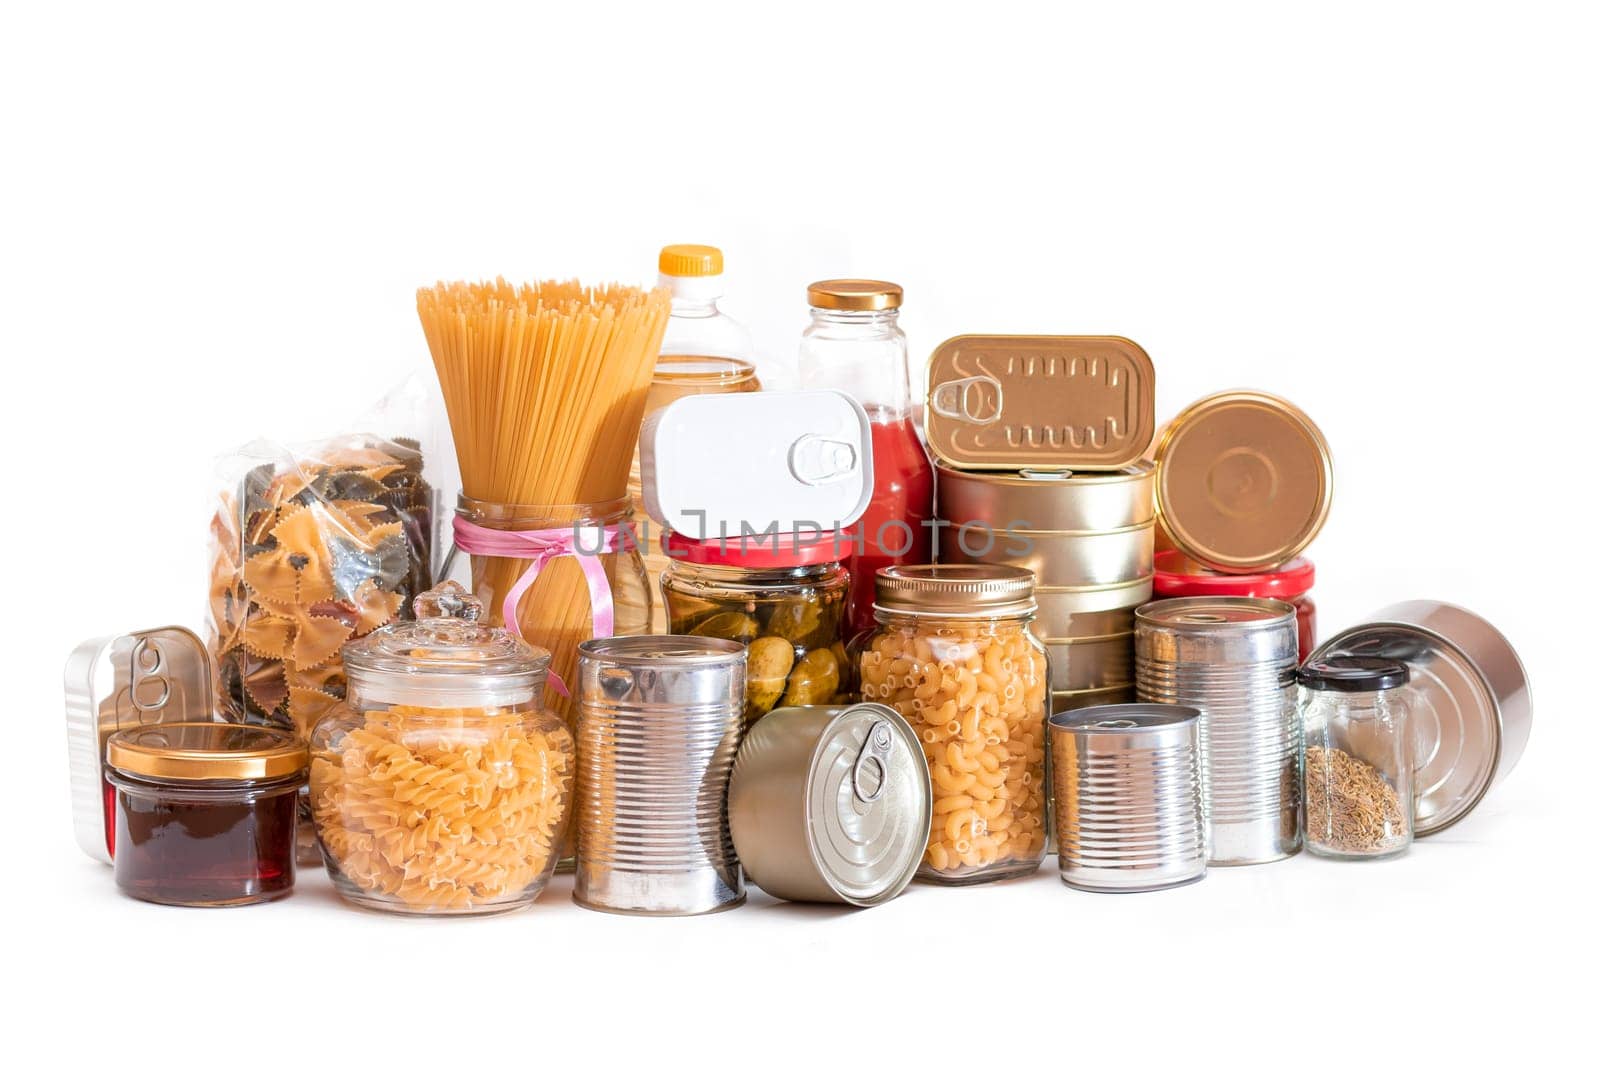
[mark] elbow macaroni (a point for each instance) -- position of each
(975, 693)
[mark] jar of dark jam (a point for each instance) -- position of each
(205, 812)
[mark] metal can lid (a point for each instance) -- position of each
(854, 294)
(1124, 718)
(206, 751)
(1244, 481)
(869, 801)
(1203, 613)
(1040, 402)
(957, 590)
(662, 652)
(1353, 674)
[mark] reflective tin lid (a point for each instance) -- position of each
(1201, 613)
(723, 464)
(143, 678)
(446, 658)
(206, 752)
(854, 294)
(957, 590)
(1243, 481)
(1004, 402)
(1471, 702)
(831, 804)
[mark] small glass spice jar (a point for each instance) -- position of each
(1357, 776)
(441, 786)
(205, 812)
(1179, 576)
(782, 596)
(954, 654)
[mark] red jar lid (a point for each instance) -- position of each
(1178, 575)
(762, 552)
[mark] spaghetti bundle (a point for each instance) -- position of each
(545, 389)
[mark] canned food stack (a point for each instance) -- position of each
(1038, 441)
(1243, 485)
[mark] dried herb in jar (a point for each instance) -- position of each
(1350, 805)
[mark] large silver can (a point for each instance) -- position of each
(1232, 659)
(1128, 813)
(659, 723)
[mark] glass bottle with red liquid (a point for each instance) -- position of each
(855, 344)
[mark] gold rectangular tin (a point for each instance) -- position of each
(1006, 402)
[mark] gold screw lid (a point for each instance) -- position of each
(854, 294)
(690, 261)
(206, 751)
(1244, 481)
(957, 590)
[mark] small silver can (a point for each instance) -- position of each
(831, 804)
(1128, 812)
(1232, 659)
(659, 722)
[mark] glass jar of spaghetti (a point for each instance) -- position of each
(205, 812)
(441, 786)
(953, 652)
(782, 595)
(1177, 575)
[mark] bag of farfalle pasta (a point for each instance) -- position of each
(311, 547)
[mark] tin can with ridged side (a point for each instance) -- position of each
(831, 804)
(659, 723)
(1128, 814)
(1232, 659)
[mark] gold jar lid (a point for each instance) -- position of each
(957, 590)
(206, 751)
(1243, 481)
(854, 294)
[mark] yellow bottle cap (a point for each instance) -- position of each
(690, 261)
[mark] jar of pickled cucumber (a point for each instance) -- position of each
(953, 653)
(783, 596)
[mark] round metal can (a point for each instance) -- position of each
(1128, 807)
(1048, 500)
(1232, 659)
(831, 804)
(1244, 481)
(1089, 611)
(659, 722)
(1472, 706)
(1091, 662)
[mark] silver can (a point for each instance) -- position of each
(831, 804)
(1232, 659)
(1128, 814)
(659, 722)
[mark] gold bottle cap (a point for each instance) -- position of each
(854, 294)
(206, 751)
(957, 590)
(1243, 481)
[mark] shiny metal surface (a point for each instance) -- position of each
(831, 804)
(1089, 612)
(659, 722)
(1048, 500)
(1232, 659)
(1073, 699)
(1090, 662)
(1471, 707)
(1058, 558)
(1127, 785)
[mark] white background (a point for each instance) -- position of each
(214, 222)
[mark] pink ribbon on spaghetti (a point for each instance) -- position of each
(541, 547)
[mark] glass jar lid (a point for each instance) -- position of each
(446, 658)
(206, 751)
(1353, 674)
(854, 294)
(957, 590)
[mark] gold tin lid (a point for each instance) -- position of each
(998, 402)
(1243, 481)
(854, 294)
(957, 590)
(206, 751)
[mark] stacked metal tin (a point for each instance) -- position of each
(1038, 442)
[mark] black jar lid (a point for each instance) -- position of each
(1353, 674)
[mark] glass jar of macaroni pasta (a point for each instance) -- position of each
(441, 786)
(781, 595)
(954, 654)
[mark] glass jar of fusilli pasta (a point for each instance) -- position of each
(953, 653)
(441, 786)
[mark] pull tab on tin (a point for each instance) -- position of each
(871, 771)
(815, 460)
(977, 400)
